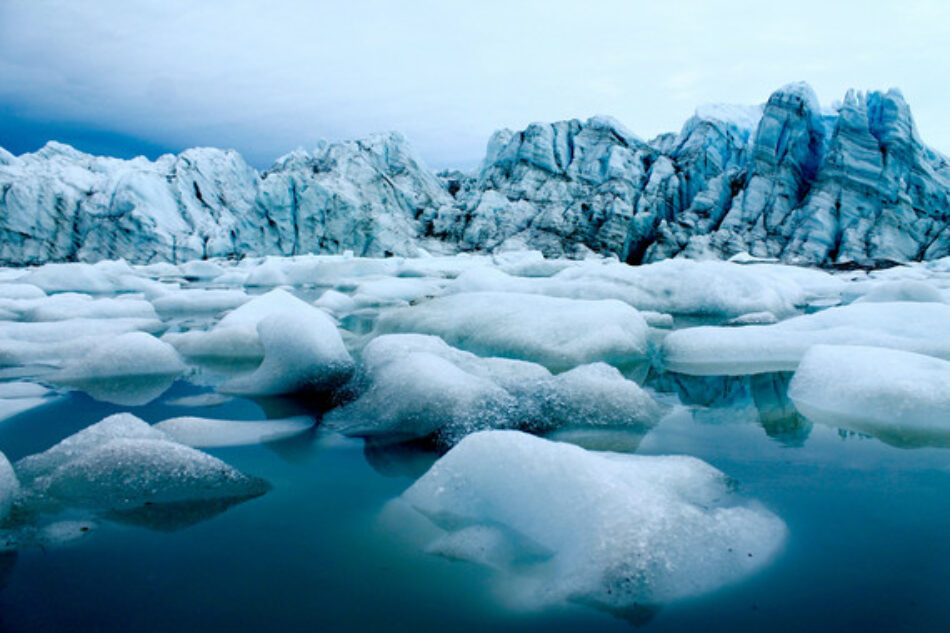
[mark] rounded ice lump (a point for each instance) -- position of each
(126, 473)
(606, 529)
(419, 386)
(900, 397)
(303, 353)
(923, 328)
(555, 332)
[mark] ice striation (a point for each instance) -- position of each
(854, 186)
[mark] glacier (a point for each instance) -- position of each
(848, 186)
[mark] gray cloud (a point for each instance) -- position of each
(266, 78)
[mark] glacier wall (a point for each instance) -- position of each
(853, 185)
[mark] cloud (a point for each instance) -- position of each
(267, 78)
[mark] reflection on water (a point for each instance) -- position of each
(127, 391)
(169, 517)
(867, 551)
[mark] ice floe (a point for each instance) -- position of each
(900, 397)
(606, 529)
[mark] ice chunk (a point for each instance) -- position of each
(70, 305)
(130, 369)
(303, 352)
(20, 291)
(198, 301)
(555, 332)
(335, 303)
(596, 395)
(903, 290)
(419, 386)
(923, 328)
(673, 286)
(235, 335)
(17, 397)
(128, 473)
(208, 432)
(900, 397)
(72, 277)
(9, 486)
(57, 341)
(120, 425)
(598, 528)
(200, 269)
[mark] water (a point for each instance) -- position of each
(868, 548)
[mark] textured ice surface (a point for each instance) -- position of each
(419, 385)
(130, 369)
(916, 327)
(555, 332)
(901, 397)
(208, 432)
(235, 336)
(600, 528)
(303, 353)
(118, 426)
(9, 486)
(126, 473)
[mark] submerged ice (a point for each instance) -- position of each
(612, 530)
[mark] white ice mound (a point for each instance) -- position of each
(555, 332)
(130, 369)
(901, 397)
(419, 386)
(128, 473)
(303, 353)
(235, 335)
(208, 432)
(72, 277)
(9, 486)
(118, 426)
(70, 305)
(674, 286)
(903, 290)
(17, 397)
(176, 303)
(598, 528)
(923, 328)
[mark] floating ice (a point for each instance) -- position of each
(235, 335)
(208, 432)
(130, 369)
(17, 397)
(303, 353)
(902, 290)
(118, 426)
(70, 305)
(20, 291)
(127, 473)
(672, 286)
(607, 529)
(706, 351)
(555, 332)
(73, 277)
(9, 486)
(197, 301)
(901, 397)
(420, 386)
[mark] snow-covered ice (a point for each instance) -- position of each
(923, 328)
(555, 332)
(900, 397)
(606, 529)
(208, 432)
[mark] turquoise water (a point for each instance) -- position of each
(869, 544)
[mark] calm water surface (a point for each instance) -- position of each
(869, 544)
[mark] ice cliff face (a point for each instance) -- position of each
(851, 186)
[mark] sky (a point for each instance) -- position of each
(130, 77)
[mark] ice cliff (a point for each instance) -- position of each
(853, 185)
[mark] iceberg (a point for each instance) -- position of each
(611, 530)
(923, 328)
(555, 332)
(208, 432)
(897, 396)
